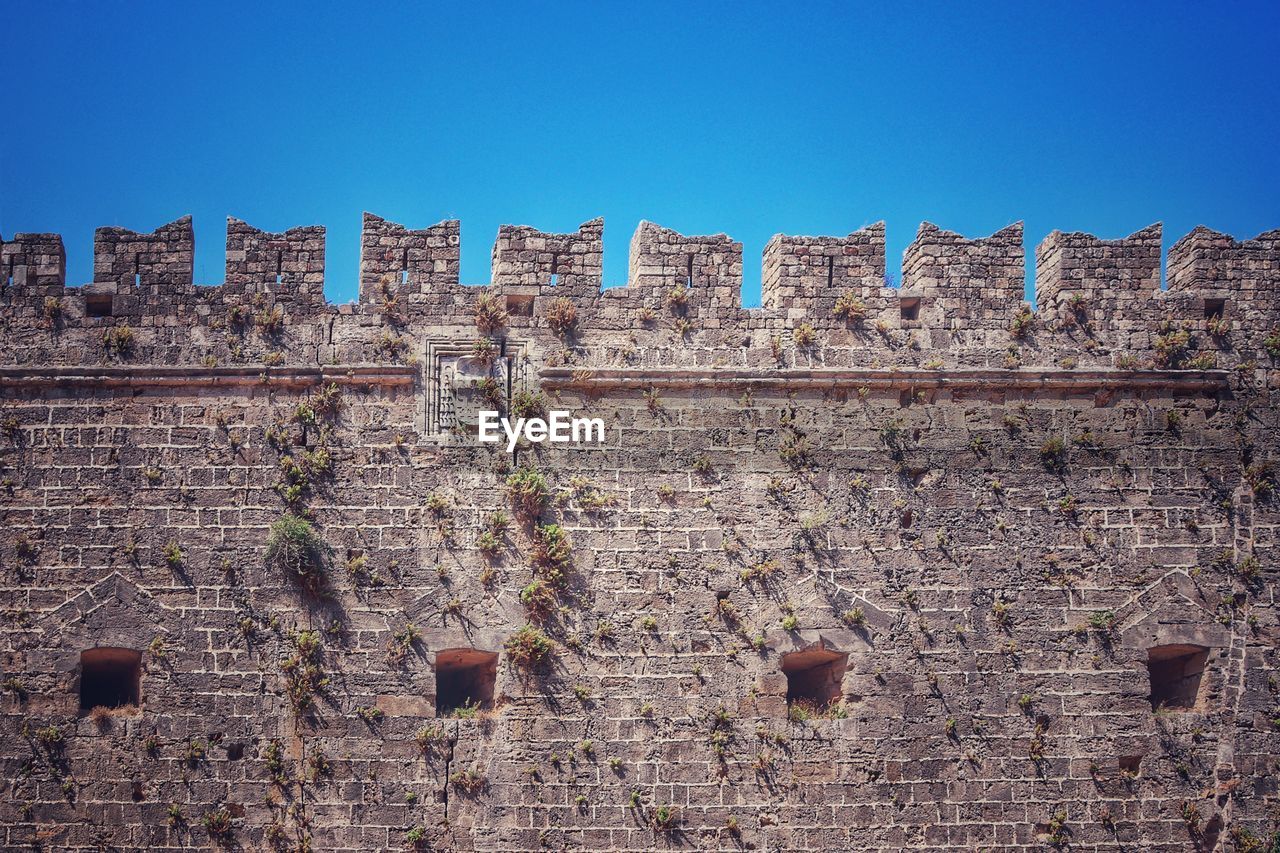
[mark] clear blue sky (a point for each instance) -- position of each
(747, 119)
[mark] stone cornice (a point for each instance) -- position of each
(1199, 381)
(142, 375)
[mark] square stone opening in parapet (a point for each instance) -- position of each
(1176, 676)
(814, 676)
(465, 680)
(110, 678)
(519, 301)
(909, 307)
(98, 304)
(1214, 309)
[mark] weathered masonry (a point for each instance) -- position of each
(864, 568)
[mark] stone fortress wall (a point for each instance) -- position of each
(864, 568)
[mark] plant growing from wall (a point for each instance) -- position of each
(391, 346)
(528, 647)
(1102, 620)
(195, 752)
(1022, 322)
(304, 678)
(1053, 454)
(401, 643)
(540, 597)
(665, 818)
(430, 738)
(172, 554)
(678, 298)
(158, 649)
(652, 401)
(371, 714)
(484, 351)
(318, 764)
(469, 781)
(51, 737)
(1002, 612)
(794, 449)
(528, 404)
(1172, 345)
(1271, 343)
(528, 492)
(1261, 478)
(270, 320)
(854, 617)
(492, 391)
(294, 547)
(118, 341)
(273, 756)
(1191, 816)
(52, 311)
(1218, 326)
(217, 822)
(491, 315)
(1059, 834)
(850, 308)
(298, 471)
(488, 543)
(562, 317)
(326, 402)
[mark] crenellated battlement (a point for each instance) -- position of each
(707, 270)
(290, 265)
(162, 259)
(31, 262)
(824, 298)
(801, 273)
(965, 283)
(1226, 274)
(526, 257)
(402, 261)
(1104, 287)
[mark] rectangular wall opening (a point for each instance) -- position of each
(97, 304)
(910, 308)
(1176, 676)
(110, 678)
(814, 676)
(465, 680)
(1214, 308)
(519, 305)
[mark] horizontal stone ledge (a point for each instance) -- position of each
(1203, 381)
(146, 375)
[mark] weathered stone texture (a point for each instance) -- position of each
(987, 521)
